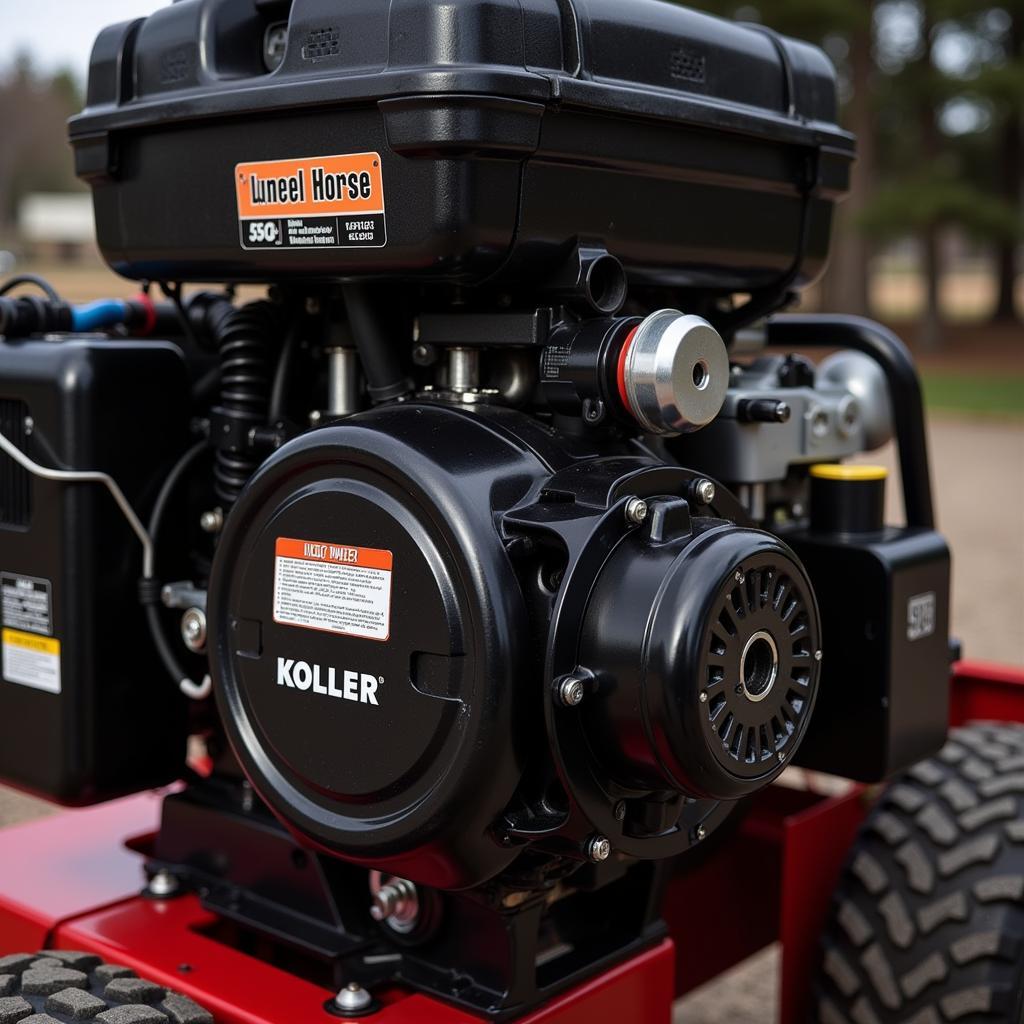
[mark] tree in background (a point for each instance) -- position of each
(845, 29)
(934, 91)
(35, 156)
(992, 69)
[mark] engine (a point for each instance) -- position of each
(504, 544)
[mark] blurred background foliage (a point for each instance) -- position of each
(934, 91)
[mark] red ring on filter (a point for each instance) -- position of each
(620, 373)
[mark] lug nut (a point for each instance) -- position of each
(598, 849)
(571, 691)
(704, 491)
(636, 511)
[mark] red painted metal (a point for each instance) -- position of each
(46, 878)
(769, 876)
(982, 690)
(158, 937)
(771, 879)
(814, 845)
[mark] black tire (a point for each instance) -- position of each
(927, 925)
(58, 985)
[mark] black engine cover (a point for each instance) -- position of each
(384, 729)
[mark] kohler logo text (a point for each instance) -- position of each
(300, 675)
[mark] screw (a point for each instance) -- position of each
(193, 629)
(705, 491)
(163, 885)
(598, 848)
(702, 832)
(385, 902)
(212, 521)
(782, 412)
(396, 903)
(619, 810)
(571, 691)
(353, 999)
(817, 655)
(636, 511)
(703, 697)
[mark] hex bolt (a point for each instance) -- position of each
(163, 885)
(396, 903)
(193, 630)
(598, 849)
(704, 491)
(385, 902)
(571, 691)
(702, 832)
(353, 1000)
(636, 511)
(212, 521)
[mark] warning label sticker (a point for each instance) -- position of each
(25, 603)
(31, 660)
(333, 587)
(313, 203)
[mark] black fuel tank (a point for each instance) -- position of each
(458, 142)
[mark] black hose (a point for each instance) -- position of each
(163, 647)
(385, 379)
(244, 338)
(282, 374)
(40, 282)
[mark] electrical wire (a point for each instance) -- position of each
(87, 476)
(197, 691)
(40, 282)
(191, 689)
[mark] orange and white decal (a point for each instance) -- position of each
(334, 588)
(311, 203)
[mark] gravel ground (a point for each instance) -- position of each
(978, 474)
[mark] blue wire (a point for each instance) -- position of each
(94, 316)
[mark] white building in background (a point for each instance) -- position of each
(57, 220)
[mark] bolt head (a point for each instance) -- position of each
(781, 756)
(571, 692)
(619, 810)
(703, 697)
(598, 849)
(352, 998)
(702, 832)
(636, 511)
(739, 577)
(163, 884)
(705, 491)
(817, 655)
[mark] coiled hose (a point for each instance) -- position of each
(244, 338)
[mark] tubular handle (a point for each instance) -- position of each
(811, 330)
